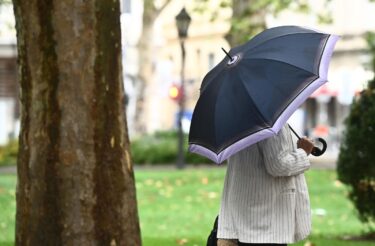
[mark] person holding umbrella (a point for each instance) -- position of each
(241, 116)
(265, 199)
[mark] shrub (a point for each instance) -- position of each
(161, 148)
(356, 162)
(8, 153)
(157, 148)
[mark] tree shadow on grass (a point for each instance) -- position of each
(363, 237)
(154, 241)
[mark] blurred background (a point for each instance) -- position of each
(152, 60)
(160, 81)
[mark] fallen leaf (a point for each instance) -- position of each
(159, 184)
(337, 183)
(181, 241)
(204, 180)
(149, 182)
(212, 195)
(308, 243)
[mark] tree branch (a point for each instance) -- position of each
(165, 4)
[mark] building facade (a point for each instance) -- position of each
(322, 115)
(9, 103)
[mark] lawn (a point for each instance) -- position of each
(177, 207)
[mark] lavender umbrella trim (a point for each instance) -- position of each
(327, 54)
(234, 148)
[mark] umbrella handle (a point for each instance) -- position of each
(317, 151)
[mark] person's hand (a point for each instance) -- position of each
(306, 144)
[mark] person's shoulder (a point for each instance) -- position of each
(284, 130)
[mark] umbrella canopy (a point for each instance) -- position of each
(250, 96)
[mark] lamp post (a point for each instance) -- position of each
(182, 21)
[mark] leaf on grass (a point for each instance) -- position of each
(319, 212)
(162, 227)
(204, 180)
(212, 195)
(337, 184)
(149, 182)
(159, 184)
(308, 243)
(344, 217)
(178, 182)
(12, 192)
(182, 241)
(188, 199)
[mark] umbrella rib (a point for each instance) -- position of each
(269, 59)
(322, 52)
(253, 103)
(282, 36)
(210, 74)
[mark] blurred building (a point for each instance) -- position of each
(9, 103)
(326, 110)
(203, 52)
(321, 115)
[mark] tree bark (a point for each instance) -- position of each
(75, 176)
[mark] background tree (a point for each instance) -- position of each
(356, 162)
(151, 11)
(5, 2)
(249, 16)
(75, 175)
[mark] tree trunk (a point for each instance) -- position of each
(146, 53)
(75, 176)
(146, 64)
(248, 19)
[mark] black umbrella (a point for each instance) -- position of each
(251, 93)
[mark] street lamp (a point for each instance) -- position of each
(182, 21)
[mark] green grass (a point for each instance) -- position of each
(7, 209)
(178, 207)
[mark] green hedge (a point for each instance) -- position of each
(161, 148)
(157, 148)
(8, 153)
(356, 162)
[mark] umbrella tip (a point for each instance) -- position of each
(230, 57)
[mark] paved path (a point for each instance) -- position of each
(8, 170)
(323, 162)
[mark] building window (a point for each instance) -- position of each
(211, 61)
(126, 6)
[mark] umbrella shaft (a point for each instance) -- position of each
(294, 132)
(230, 57)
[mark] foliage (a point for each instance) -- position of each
(248, 16)
(161, 148)
(8, 153)
(356, 163)
(5, 2)
(178, 207)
